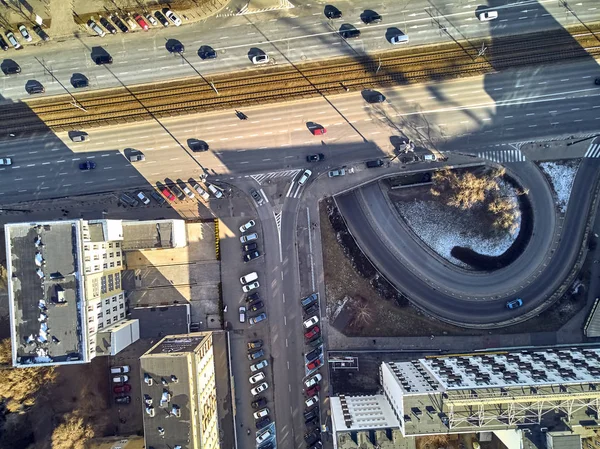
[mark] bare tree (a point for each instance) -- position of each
(72, 433)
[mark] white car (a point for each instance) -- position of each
(143, 198)
(248, 287)
(242, 314)
(13, 40)
(260, 365)
(188, 192)
(310, 402)
(152, 20)
(311, 321)
(25, 33)
(263, 437)
(261, 413)
(216, 192)
(246, 226)
(399, 39)
(256, 378)
(120, 379)
(203, 193)
(304, 177)
(248, 237)
(313, 380)
(5, 161)
(260, 59)
(119, 369)
(486, 16)
(259, 389)
(94, 26)
(173, 17)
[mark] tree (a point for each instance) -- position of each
(19, 387)
(73, 433)
(433, 441)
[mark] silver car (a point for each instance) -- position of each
(94, 26)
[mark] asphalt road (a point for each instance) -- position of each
(299, 34)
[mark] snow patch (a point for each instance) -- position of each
(561, 176)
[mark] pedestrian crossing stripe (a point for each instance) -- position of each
(502, 156)
(260, 177)
(593, 150)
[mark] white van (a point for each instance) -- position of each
(216, 192)
(250, 277)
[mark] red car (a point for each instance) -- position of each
(141, 22)
(168, 194)
(312, 391)
(125, 388)
(314, 364)
(319, 131)
(311, 333)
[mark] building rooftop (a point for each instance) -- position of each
(147, 234)
(161, 321)
(45, 292)
(362, 412)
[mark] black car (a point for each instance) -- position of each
(251, 256)
(312, 437)
(87, 165)
(317, 445)
(314, 354)
(309, 300)
(177, 48)
(109, 26)
(372, 18)
(312, 421)
(12, 69)
(207, 52)
(119, 23)
(263, 422)
(256, 197)
(596, 81)
(249, 246)
(35, 88)
(161, 18)
(158, 197)
(255, 306)
(177, 191)
(103, 59)
(350, 33)
(253, 297)
(375, 163)
(41, 33)
(318, 341)
(3, 44)
(376, 97)
(315, 157)
(312, 310)
(80, 82)
(256, 344)
(197, 145)
(256, 355)
(331, 12)
(311, 414)
(259, 403)
(123, 399)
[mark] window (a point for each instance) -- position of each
(104, 255)
(121, 305)
(112, 264)
(114, 299)
(103, 284)
(88, 270)
(110, 244)
(112, 255)
(96, 267)
(118, 253)
(118, 263)
(91, 319)
(107, 312)
(122, 315)
(114, 308)
(105, 266)
(96, 256)
(117, 245)
(86, 247)
(100, 326)
(106, 302)
(95, 246)
(100, 315)
(108, 321)
(99, 305)
(118, 279)
(87, 258)
(121, 296)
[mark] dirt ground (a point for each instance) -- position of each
(376, 309)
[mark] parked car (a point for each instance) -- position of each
(242, 311)
(119, 369)
(308, 415)
(41, 33)
(88, 165)
(314, 354)
(304, 177)
(258, 403)
(151, 19)
(141, 22)
(5, 161)
(25, 33)
(256, 344)
(3, 44)
(188, 192)
(261, 413)
(312, 422)
(106, 24)
(316, 342)
(248, 237)
(314, 364)
(255, 306)
(95, 28)
(120, 379)
(252, 297)
(251, 256)
(247, 278)
(260, 365)
(256, 197)
(314, 380)
(260, 59)
(178, 193)
(249, 246)
(256, 355)
(311, 321)
(172, 17)
(126, 199)
(262, 438)
(143, 198)
(161, 18)
(13, 40)
(312, 333)
(125, 388)
(315, 157)
(374, 163)
(247, 225)
(259, 389)
(256, 378)
(337, 172)
(119, 23)
(312, 437)
(263, 422)
(203, 193)
(123, 399)
(159, 199)
(514, 304)
(258, 318)
(309, 300)
(486, 16)
(311, 402)
(168, 194)
(313, 390)
(214, 190)
(311, 310)
(249, 287)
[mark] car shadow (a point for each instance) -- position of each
(34, 87)
(7, 65)
(255, 51)
(174, 46)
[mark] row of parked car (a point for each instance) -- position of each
(121, 387)
(12, 38)
(261, 415)
(131, 22)
(249, 242)
(250, 282)
(314, 354)
(181, 191)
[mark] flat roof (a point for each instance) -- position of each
(162, 320)
(147, 234)
(44, 292)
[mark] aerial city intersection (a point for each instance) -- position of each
(291, 224)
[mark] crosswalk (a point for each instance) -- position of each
(502, 156)
(265, 177)
(593, 150)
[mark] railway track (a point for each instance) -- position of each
(112, 106)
